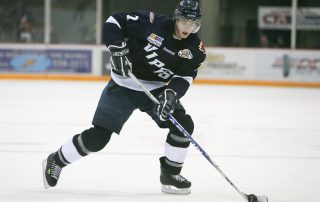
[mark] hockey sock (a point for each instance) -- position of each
(91, 140)
(174, 158)
(72, 150)
(177, 144)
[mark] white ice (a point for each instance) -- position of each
(266, 139)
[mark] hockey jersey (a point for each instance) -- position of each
(158, 59)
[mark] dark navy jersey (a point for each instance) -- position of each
(157, 57)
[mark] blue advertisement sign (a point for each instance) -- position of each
(47, 60)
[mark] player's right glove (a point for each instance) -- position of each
(120, 59)
(168, 101)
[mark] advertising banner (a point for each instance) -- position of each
(261, 65)
(302, 66)
(45, 60)
(308, 18)
(227, 64)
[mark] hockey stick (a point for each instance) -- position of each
(249, 198)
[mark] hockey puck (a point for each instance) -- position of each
(252, 198)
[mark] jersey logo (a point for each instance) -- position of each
(155, 39)
(168, 51)
(185, 53)
(152, 60)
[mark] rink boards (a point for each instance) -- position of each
(235, 66)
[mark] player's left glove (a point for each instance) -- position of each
(168, 100)
(120, 59)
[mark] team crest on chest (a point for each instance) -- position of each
(155, 39)
(185, 53)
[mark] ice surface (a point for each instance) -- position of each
(267, 141)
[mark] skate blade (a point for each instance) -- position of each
(44, 165)
(168, 189)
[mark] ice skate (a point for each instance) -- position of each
(51, 172)
(174, 184)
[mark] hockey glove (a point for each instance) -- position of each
(120, 59)
(168, 101)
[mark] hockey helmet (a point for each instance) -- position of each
(189, 10)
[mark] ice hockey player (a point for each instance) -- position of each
(164, 53)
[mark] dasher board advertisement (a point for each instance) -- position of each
(302, 66)
(45, 60)
(224, 63)
(261, 65)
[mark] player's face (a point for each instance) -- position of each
(184, 28)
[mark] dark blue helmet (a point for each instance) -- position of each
(189, 10)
